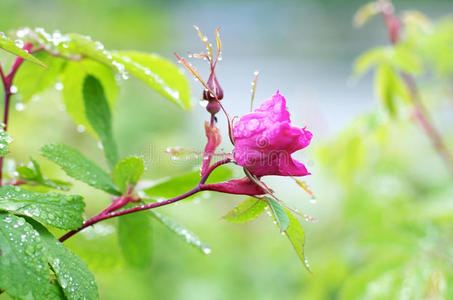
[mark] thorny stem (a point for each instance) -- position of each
(420, 112)
(7, 83)
(111, 211)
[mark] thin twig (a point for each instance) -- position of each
(7, 83)
(110, 213)
(421, 113)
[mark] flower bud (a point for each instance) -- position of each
(213, 107)
(215, 87)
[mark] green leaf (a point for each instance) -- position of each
(26, 173)
(172, 186)
(135, 238)
(32, 79)
(72, 273)
(5, 140)
(400, 58)
(369, 59)
(296, 236)
(365, 13)
(62, 211)
(23, 265)
(181, 232)
(32, 175)
(79, 167)
(128, 171)
(10, 46)
(388, 87)
(73, 78)
(279, 213)
(159, 74)
(97, 111)
(246, 211)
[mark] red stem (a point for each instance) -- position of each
(123, 200)
(7, 83)
(421, 114)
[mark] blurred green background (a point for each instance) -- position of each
(384, 199)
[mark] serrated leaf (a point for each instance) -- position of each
(172, 186)
(279, 213)
(135, 236)
(10, 46)
(23, 265)
(32, 79)
(128, 171)
(246, 211)
(72, 80)
(98, 113)
(72, 273)
(296, 236)
(59, 210)
(181, 232)
(158, 73)
(5, 140)
(79, 167)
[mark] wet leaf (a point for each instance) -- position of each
(279, 213)
(98, 113)
(24, 273)
(10, 46)
(73, 78)
(135, 236)
(246, 211)
(184, 234)
(72, 273)
(59, 210)
(128, 171)
(79, 167)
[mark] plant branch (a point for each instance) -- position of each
(110, 211)
(7, 83)
(421, 114)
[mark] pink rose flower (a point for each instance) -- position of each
(265, 140)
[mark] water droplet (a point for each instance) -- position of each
(204, 103)
(206, 250)
(59, 86)
(100, 146)
(13, 89)
(19, 43)
(20, 106)
(256, 73)
(80, 128)
(99, 45)
(23, 32)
